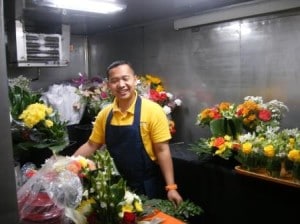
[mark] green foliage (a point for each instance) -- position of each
(183, 212)
(201, 147)
(106, 187)
(20, 98)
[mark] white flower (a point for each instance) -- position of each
(178, 102)
(129, 197)
(167, 109)
(169, 95)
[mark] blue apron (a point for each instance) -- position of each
(126, 147)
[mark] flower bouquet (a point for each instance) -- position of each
(94, 94)
(151, 87)
(34, 125)
(52, 193)
(229, 121)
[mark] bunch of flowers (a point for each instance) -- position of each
(259, 116)
(21, 95)
(222, 146)
(221, 110)
(258, 120)
(40, 127)
(152, 87)
(94, 94)
(34, 124)
(54, 191)
(250, 153)
(269, 150)
(157, 93)
(106, 198)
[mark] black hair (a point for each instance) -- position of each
(116, 64)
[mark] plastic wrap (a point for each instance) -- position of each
(55, 188)
(63, 98)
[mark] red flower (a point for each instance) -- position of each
(265, 115)
(218, 141)
(129, 218)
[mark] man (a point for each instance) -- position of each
(136, 133)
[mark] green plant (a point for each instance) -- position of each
(20, 98)
(183, 212)
(34, 124)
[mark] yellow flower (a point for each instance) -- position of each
(294, 155)
(160, 88)
(127, 208)
(138, 206)
(247, 147)
(35, 113)
(269, 151)
(48, 123)
(83, 161)
(85, 206)
(154, 79)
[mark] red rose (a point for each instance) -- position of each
(129, 218)
(265, 115)
(218, 141)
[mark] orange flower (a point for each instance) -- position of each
(74, 166)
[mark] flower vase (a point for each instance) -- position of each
(224, 126)
(296, 172)
(273, 167)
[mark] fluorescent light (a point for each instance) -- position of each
(104, 7)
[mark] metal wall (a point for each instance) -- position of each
(209, 64)
(8, 203)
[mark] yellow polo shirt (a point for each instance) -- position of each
(154, 124)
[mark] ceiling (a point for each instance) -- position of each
(138, 12)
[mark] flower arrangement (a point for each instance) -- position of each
(94, 94)
(34, 124)
(107, 199)
(221, 110)
(258, 116)
(152, 87)
(249, 131)
(90, 191)
(54, 191)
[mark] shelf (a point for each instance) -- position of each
(288, 180)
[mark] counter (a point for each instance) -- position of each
(229, 197)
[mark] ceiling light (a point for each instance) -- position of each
(96, 6)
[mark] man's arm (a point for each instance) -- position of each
(87, 149)
(164, 159)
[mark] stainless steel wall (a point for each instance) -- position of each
(209, 64)
(8, 204)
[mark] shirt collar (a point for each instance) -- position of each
(130, 109)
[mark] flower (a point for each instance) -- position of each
(105, 190)
(222, 110)
(224, 146)
(132, 203)
(157, 93)
(94, 94)
(251, 126)
(39, 126)
(259, 116)
(256, 115)
(151, 87)
(34, 124)
(59, 183)
(21, 95)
